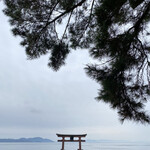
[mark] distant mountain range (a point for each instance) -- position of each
(35, 139)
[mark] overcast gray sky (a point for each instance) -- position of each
(35, 101)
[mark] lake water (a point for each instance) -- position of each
(74, 146)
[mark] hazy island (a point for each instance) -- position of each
(35, 139)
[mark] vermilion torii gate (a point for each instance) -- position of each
(71, 139)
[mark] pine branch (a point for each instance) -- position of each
(67, 11)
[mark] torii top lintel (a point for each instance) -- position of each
(71, 135)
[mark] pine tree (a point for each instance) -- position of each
(116, 33)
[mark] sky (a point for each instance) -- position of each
(36, 101)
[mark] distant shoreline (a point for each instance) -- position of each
(34, 139)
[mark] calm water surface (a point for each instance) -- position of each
(74, 146)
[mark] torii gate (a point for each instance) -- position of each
(71, 136)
